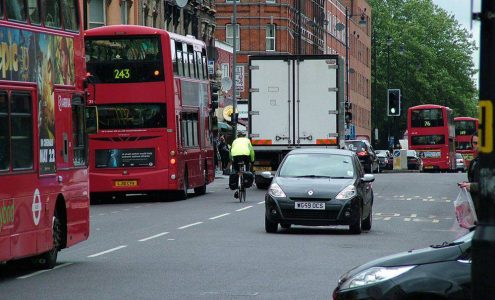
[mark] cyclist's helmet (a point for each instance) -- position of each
(241, 133)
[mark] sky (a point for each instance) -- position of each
(461, 9)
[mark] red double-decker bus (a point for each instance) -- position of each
(151, 91)
(431, 133)
(44, 190)
(465, 127)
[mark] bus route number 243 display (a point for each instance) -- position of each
(122, 73)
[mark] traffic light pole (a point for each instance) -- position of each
(483, 257)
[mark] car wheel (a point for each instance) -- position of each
(48, 260)
(367, 222)
(285, 226)
(356, 228)
(270, 227)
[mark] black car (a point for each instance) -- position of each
(366, 154)
(385, 159)
(316, 187)
(438, 272)
(414, 162)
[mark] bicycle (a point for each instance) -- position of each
(241, 190)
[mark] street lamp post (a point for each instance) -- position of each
(234, 66)
(389, 43)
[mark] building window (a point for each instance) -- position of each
(225, 71)
(124, 11)
(271, 1)
(230, 36)
(96, 13)
(270, 37)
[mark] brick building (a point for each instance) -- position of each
(304, 27)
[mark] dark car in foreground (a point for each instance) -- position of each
(317, 187)
(438, 272)
(365, 153)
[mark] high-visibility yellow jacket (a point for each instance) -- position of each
(242, 146)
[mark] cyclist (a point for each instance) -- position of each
(241, 150)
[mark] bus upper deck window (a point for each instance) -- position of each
(16, 10)
(34, 12)
(52, 13)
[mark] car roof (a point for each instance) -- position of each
(315, 150)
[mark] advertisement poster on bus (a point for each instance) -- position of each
(45, 60)
(120, 158)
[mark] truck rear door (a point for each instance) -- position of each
(271, 105)
(316, 105)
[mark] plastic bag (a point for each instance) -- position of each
(464, 210)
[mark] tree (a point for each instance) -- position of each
(434, 66)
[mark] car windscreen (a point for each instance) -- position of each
(356, 146)
(132, 116)
(317, 165)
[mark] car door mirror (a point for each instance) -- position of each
(368, 178)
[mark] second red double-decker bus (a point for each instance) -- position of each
(151, 91)
(44, 181)
(431, 133)
(465, 127)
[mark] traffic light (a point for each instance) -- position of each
(215, 92)
(393, 102)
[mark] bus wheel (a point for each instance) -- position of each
(48, 260)
(182, 194)
(201, 190)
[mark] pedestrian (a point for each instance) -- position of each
(473, 173)
(216, 154)
(224, 151)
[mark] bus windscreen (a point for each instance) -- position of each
(132, 116)
(427, 118)
(436, 139)
(465, 127)
(124, 60)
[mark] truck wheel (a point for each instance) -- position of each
(48, 260)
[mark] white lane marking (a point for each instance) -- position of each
(101, 214)
(139, 206)
(219, 216)
(262, 202)
(407, 219)
(414, 215)
(114, 212)
(153, 236)
(190, 225)
(43, 271)
(436, 221)
(170, 239)
(107, 251)
(244, 208)
(387, 219)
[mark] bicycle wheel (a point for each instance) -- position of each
(240, 188)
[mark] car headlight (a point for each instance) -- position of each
(276, 191)
(374, 275)
(347, 193)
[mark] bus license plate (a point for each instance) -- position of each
(125, 183)
(260, 168)
(428, 167)
(310, 205)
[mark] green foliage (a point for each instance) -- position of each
(435, 66)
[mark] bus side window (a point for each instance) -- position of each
(203, 56)
(185, 58)
(21, 118)
(174, 57)
(78, 132)
(34, 12)
(16, 10)
(1, 9)
(69, 11)
(180, 61)
(192, 63)
(4, 132)
(51, 15)
(199, 64)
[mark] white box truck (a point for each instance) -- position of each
(294, 101)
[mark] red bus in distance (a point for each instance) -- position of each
(151, 91)
(431, 133)
(465, 127)
(44, 179)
